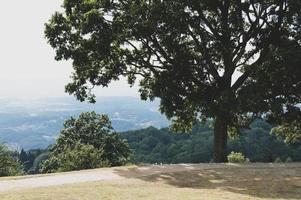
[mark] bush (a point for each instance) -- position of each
(278, 160)
(234, 157)
(82, 156)
(85, 143)
(9, 165)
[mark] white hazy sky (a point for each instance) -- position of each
(27, 65)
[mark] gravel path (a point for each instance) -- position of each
(58, 179)
(108, 174)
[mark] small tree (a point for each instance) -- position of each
(9, 165)
(87, 142)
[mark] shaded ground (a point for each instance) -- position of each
(258, 180)
(187, 181)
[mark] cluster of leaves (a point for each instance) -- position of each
(291, 131)
(290, 125)
(236, 157)
(185, 52)
(81, 156)
(87, 142)
(9, 164)
(163, 146)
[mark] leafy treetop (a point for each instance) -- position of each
(185, 52)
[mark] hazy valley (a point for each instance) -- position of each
(36, 123)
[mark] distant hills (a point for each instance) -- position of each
(31, 124)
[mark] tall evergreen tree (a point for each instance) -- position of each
(23, 156)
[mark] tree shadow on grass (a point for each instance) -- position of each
(282, 181)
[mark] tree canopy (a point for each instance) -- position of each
(290, 126)
(231, 60)
(153, 145)
(87, 142)
(9, 164)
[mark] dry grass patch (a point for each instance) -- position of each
(243, 183)
(121, 190)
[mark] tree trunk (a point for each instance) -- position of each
(220, 139)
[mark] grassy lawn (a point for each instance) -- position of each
(212, 184)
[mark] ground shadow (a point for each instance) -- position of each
(260, 180)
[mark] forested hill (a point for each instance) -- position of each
(152, 145)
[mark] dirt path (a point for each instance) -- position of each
(57, 179)
(109, 174)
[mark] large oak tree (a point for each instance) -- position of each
(230, 60)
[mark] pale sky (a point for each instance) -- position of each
(27, 65)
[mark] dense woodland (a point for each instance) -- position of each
(152, 145)
(32, 159)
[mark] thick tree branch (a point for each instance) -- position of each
(209, 25)
(252, 31)
(251, 69)
(202, 48)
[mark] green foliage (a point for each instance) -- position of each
(153, 145)
(291, 131)
(87, 142)
(235, 157)
(290, 124)
(162, 146)
(233, 132)
(278, 160)
(32, 159)
(180, 45)
(37, 164)
(81, 156)
(9, 165)
(186, 53)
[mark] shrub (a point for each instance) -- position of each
(277, 160)
(82, 156)
(9, 165)
(234, 157)
(85, 143)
